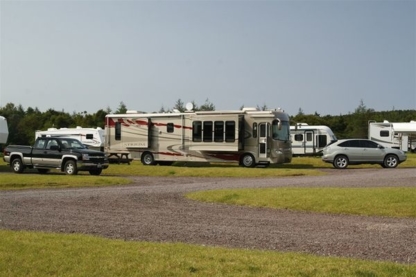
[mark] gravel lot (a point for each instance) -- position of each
(154, 209)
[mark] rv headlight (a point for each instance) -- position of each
(85, 157)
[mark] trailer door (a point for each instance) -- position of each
(263, 135)
(309, 143)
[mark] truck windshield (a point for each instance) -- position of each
(283, 133)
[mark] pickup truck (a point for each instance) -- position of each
(65, 154)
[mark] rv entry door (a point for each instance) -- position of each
(263, 135)
(308, 143)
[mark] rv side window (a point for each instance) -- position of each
(218, 131)
(169, 128)
(197, 131)
(207, 131)
(322, 140)
(384, 133)
(298, 137)
(262, 130)
(254, 130)
(89, 136)
(118, 131)
(229, 131)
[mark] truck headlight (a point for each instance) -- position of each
(85, 157)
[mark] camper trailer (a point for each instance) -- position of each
(248, 136)
(4, 130)
(310, 139)
(91, 137)
(400, 135)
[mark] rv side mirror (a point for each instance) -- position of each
(279, 125)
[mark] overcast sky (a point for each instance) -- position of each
(320, 56)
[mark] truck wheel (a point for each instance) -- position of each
(247, 160)
(96, 171)
(148, 159)
(17, 165)
(70, 168)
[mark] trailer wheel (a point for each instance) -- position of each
(391, 161)
(96, 171)
(340, 162)
(70, 168)
(148, 159)
(17, 165)
(247, 160)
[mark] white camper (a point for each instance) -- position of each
(4, 130)
(249, 137)
(91, 137)
(400, 135)
(310, 139)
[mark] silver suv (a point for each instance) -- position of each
(361, 151)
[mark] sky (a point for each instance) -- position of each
(323, 56)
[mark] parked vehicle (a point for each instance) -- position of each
(91, 137)
(248, 136)
(4, 130)
(310, 139)
(399, 135)
(361, 151)
(65, 154)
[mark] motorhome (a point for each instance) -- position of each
(400, 135)
(310, 139)
(4, 130)
(91, 137)
(248, 136)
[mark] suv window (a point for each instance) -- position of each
(350, 143)
(368, 144)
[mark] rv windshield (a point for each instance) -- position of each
(283, 133)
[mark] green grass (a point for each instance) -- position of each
(392, 202)
(43, 254)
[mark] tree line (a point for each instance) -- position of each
(23, 123)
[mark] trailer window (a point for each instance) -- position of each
(298, 137)
(219, 131)
(89, 136)
(384, 133)
(229, 131)
(170, 128)
(118, 131)
(207, 131)
(197, 131)
(322, 140)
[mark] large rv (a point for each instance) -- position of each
(248, 136)
(4, 130)
(91, 137)
(400, 135)
(310, 139)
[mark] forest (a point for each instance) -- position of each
(23, 123)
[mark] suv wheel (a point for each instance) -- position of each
(340, 162)
(391, 161)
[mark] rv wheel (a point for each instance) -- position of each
(147, 159)
(248, 160)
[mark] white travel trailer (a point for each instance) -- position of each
(400, 135)
(310, 139)
(91, 137)
(248, 136)
(4, 130)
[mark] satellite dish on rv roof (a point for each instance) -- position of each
(189, 106)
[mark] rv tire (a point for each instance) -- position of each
(391, 161)
(340, 162)
(148, 159)
(247, 160)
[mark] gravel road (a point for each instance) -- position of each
(154, 209)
